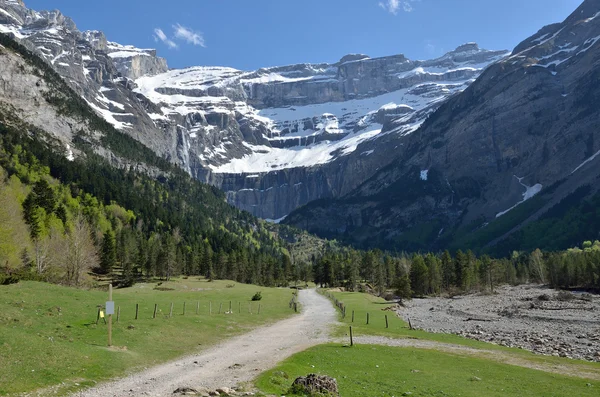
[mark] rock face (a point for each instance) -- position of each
(316, 384)
(526, 127)
(274, 138)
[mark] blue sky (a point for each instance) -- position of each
(249, 34)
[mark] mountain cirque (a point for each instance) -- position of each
(273, 139)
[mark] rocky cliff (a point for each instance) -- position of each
(273, 139)
(515, 143)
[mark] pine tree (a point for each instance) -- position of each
(419, 277)
(108, 253)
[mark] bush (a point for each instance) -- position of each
(7, 280)
(257, 296)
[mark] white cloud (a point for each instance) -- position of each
(159, 35)
(393, 6)
(188, 35)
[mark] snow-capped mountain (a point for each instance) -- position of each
(520, 145)
(273, 139)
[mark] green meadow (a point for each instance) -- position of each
(49, 335)
(370, 371)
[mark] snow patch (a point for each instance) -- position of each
(424, 175)
(585, 162)
(276, 221)
(530, 191)
(70, 155)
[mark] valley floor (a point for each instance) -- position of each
(530, 317)
(235, 361)
(240, 360)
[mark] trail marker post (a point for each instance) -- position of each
(110, 310)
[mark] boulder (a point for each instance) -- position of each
(316, 384)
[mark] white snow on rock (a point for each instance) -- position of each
(424, 175)
(585, 162)
(266, 158)
(530, 191)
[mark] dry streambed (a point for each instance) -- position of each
(530, 317)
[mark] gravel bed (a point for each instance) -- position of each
(535, 318)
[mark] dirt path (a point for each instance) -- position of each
(234, 361)
(572, 369)
(242, 358)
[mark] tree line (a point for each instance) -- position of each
(436, 273)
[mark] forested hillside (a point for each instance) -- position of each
(126, 209)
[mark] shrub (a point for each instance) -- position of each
(7, 280)
(257, 296)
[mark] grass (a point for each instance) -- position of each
(385, 371)
(362, 303)
(49, 336)
(377, 308)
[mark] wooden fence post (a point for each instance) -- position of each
(137, 307)
(386, 322)
(352, 315)
(118, 313)
(155, 309)
(171, 311)
(367, 318)
(351, 341)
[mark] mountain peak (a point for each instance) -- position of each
(467, 47)
(353, 57)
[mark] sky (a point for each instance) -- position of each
(250, 34)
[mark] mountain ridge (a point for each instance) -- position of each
(243, 131)
(523, 130)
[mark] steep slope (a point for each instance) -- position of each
(513, 145)
(273, 139)
(45, 125)
(301, 126)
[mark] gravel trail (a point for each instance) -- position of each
(242, 358)
(234, 361)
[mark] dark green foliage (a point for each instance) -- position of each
(108, 254)
(419, 276)
(257, 296)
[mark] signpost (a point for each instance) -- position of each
(110, 310)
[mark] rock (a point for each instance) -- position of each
(313, 383)
(225, 391)
(186, 391)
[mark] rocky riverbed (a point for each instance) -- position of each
(535, 318)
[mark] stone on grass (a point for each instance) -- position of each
(316, 385)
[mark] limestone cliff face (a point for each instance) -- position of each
(527, 126)
(275, 138)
